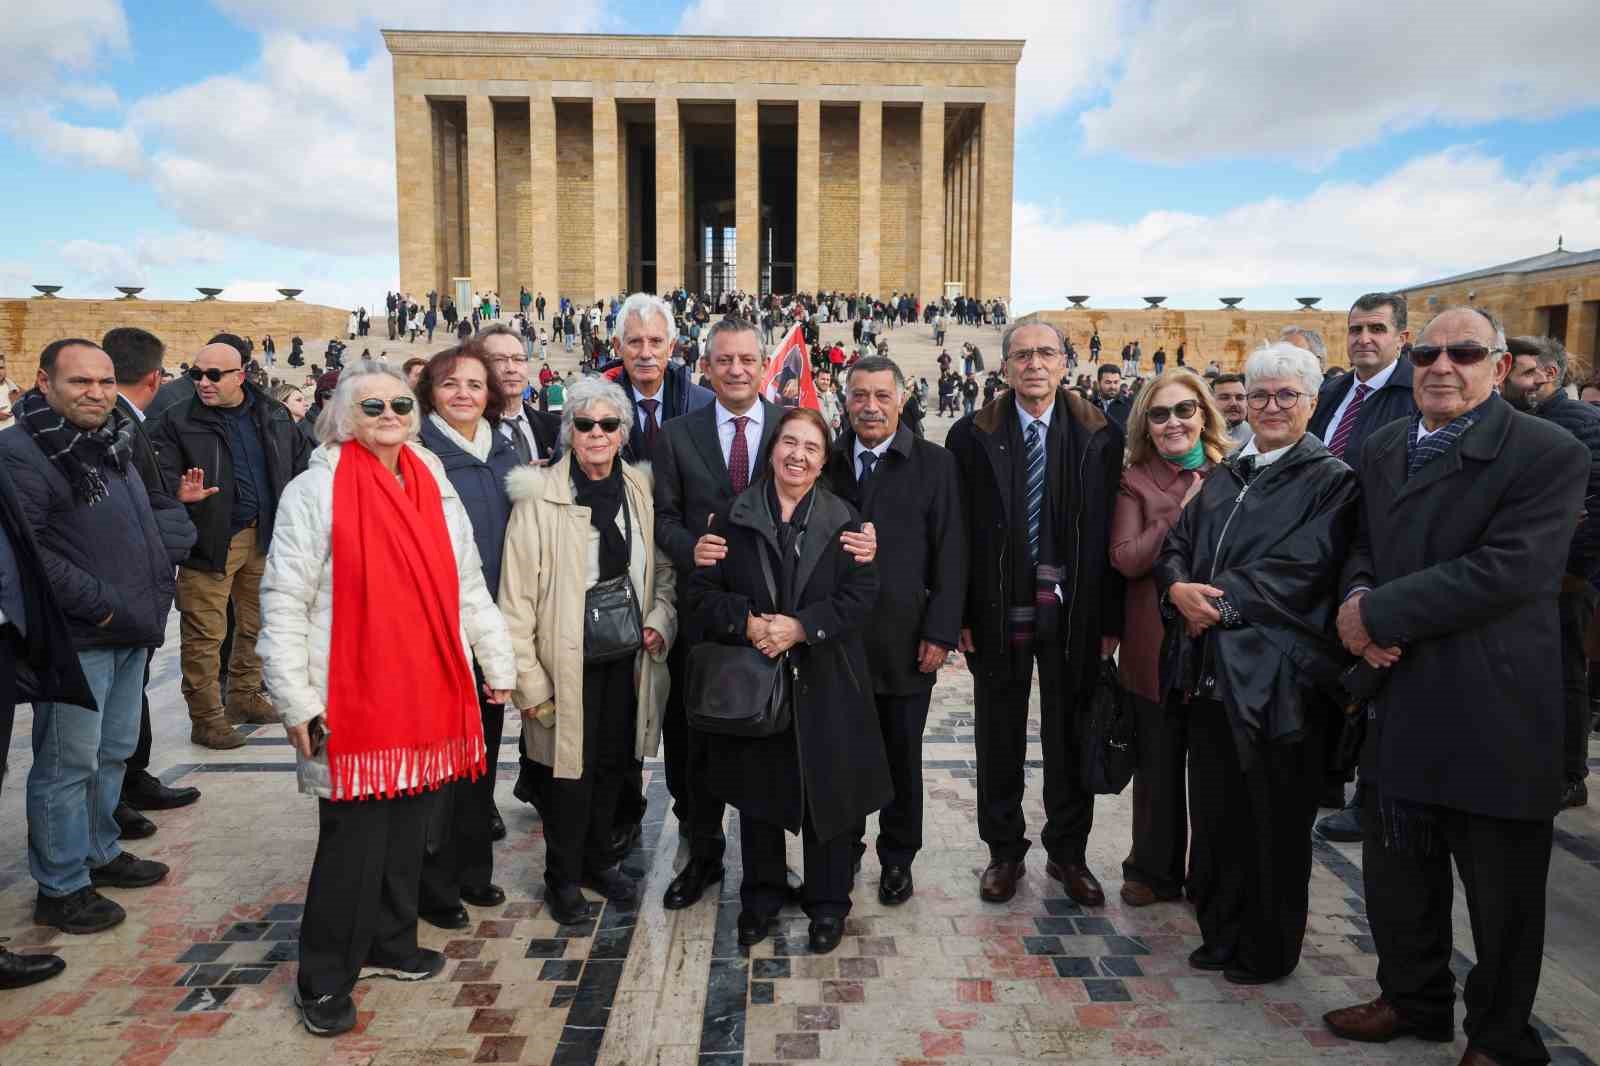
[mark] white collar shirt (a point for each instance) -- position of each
(752, 431)
(1375, 382)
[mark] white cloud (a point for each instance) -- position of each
(545, 16)
(102, 265)
(42, 40)
(1307, 80)
(95, 146)
(1437, 215)
(1069, 51)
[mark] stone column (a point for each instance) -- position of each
(414, 170)
(483, 245)
(994, 210)
(870, 232)
(607, 219)
(669, 196)
(963, 188)
(545, 208)
(1583, 322)
(930, 274)
(747, 194)
(808, 198)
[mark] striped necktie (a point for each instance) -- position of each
(1347, 424)
(1033, 441)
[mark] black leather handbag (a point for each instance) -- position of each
(736, 691)
(612, 626)
(1111, 743)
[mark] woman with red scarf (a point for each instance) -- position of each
(373, 608)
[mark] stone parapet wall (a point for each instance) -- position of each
(1226, 336)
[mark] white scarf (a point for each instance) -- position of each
(478, 447)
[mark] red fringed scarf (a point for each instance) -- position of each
(402, 710)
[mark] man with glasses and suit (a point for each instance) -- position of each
(248, 447)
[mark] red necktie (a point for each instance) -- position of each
(1347, 424)
(739, 456)
(650, 423)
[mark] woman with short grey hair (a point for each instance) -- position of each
(594, 397)
(1287, 361)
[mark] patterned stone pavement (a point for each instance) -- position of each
(202, 971)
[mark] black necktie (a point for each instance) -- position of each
(519, 439)
(869, 460)
(651, 425)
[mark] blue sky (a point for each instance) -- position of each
(1189, 149)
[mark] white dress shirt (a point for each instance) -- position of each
(1027, 420)
(661, 405)
(1263, 459)
(862, 449)
(1375, 382)
(510, 426)
(752, 432)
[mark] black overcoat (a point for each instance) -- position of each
(832, 759)
(1464, 563)
(913, 500)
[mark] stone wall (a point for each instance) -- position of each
(901, 246)
(840, 200)
(513, 188)
(575, 191)
(26, 326)
(1226, 336)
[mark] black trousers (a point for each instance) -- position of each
(8, 693)
(1252, 840)
(1160, 801)
(140, 759)
(829, 870)
(1001, 718)
(361, 902)
(902, 719)
(1504, 865)
(699, 813)
(1576, 607)
(459, 853)
(579, 812)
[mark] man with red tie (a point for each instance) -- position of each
(1349, 409)
(659, 388)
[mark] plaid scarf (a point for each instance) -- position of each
(1421, 453)
(78, 453)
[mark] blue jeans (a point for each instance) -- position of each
(78, 759)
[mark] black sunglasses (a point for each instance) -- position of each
(400, 405)
(586, 425)
(1469, 354)
(1185, 410)
(212, 374)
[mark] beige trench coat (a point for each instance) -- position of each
(543, 581)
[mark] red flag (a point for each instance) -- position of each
(788, 382)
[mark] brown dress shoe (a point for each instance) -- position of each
(215, 733)
(1139, 894)
(251, 708)
(999, 881)
(1079, 883)
(1378, 1022)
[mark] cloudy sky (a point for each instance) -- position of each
(1193, 149)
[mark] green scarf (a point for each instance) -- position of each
(1193, 459)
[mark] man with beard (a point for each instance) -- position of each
(1537, 384)
(1228, 389)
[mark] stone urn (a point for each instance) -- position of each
(1308, 302)
(1078, 302)
(47, 292)
(290, 294)
(1230, 302)
(130, 292)
(1154, 302)
(208, 294)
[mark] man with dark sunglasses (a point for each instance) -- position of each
(1468, 510)
(249, 448)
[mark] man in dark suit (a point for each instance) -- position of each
(1468, 510)
(702, 461)
(1108, 395)
(136, 355)
(1040, 468)
(1349, 409)
(909, 490)
(534, 433)
(660, 389)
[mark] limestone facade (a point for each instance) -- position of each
(584, 165)
(1224, 336)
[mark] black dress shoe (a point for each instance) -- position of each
(1576, 794)
(1238, 975)
(895, 886)
(753, 930)
(487, 896)
(131, 825)
(497, 826)
(127, 870)
(566, 904)
(449, 918)
(687, 888)
(1343, 826)
(826, 934)
(83, 911)
(612, 884)
(144, 792)
(1206, 957)
(19, 971)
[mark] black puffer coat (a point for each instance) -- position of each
(1275, 548)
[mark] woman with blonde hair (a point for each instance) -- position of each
(1176, 434)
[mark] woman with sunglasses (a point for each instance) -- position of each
(1248, 579)
(590, 704)
(378, 697)
(454, 388)
(1176, 436)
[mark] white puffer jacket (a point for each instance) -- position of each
(297, 602)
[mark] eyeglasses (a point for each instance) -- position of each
(1286, 398)
(1469, 354)
(212, 374)
(1027, 355)
(400, 405)
(1185, 410)
(586, 425)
